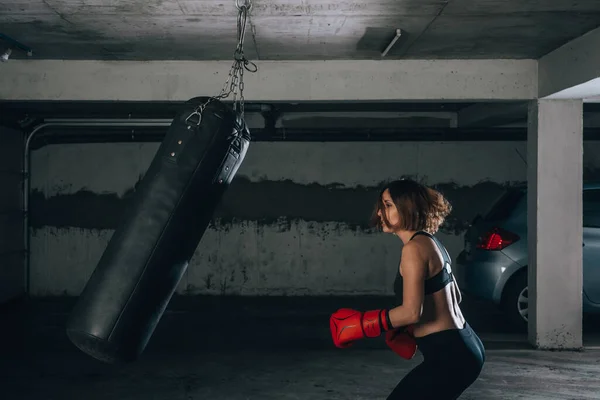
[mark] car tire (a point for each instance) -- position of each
(515, 301)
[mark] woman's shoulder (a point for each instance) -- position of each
(417, 249)
(424, 245)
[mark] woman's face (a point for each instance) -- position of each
(390, 210)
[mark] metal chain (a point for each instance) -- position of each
(235, 79)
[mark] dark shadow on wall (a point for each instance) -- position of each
(266, 202)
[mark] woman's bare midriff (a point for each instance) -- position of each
(440, 312)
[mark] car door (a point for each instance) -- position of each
(591, 244)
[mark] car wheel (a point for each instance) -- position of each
(515, 301)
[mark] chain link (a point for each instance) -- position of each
(234, 84)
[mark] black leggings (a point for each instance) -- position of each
(453, 360)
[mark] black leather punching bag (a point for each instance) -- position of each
(148, 253)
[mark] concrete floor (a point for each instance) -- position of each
(277, 349)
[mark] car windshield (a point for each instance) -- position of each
(505, 204)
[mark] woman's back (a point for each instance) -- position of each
(441, 310)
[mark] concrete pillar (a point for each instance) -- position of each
(12, 274)
(555, 161)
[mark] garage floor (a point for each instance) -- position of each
(264, 349)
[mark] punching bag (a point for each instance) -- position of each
(148, 253)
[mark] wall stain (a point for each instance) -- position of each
(270, 203)
(208, 281)
(223, 286)
(245, 273)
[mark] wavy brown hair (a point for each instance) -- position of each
(420, 208)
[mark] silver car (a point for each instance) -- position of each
(493, 263)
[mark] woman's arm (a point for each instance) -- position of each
(414, 272)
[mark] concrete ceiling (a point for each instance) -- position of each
(294, 29)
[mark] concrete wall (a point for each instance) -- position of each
(294, 221)
(11, 216)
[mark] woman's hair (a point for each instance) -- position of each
(420, 208)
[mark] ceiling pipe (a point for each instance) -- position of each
(4, 57)
(104, 123)
(121, 122)
(27, 168)
(392, 43)
(13, 44)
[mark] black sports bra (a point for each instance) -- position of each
(436, 282)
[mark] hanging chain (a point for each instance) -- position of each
(234, 85)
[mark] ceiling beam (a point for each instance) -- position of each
(348, 80)
(572, 71)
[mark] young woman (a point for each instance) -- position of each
(428, 315)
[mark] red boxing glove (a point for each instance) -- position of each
(402, 342)
(348, 325)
